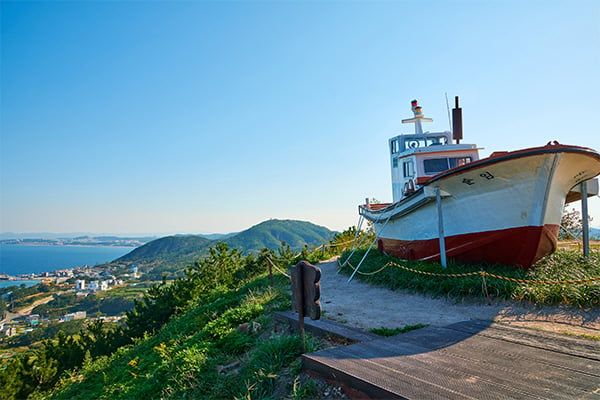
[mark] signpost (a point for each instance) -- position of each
(306, 292)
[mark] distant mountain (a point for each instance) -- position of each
(76, 235)
(175, 248)
(595, 233)
(181, 250)
(219, 236)
(271, 233)
(81, 241)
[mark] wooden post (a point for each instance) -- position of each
(438, 200)
(271, 272)
(585, 221)
(301, 301)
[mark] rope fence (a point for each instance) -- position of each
(483, 274)
(321, 247)
(278, 269)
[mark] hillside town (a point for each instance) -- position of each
(80, 282)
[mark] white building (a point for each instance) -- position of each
(8, 330)
(75, 315)
(98, 286)
(80, 284)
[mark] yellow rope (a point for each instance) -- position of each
(480, 273)
(277, 268)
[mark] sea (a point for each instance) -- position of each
(16, 259)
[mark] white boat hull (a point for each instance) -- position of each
(504, 209)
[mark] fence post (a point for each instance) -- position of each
(271, 272)
(585, 221)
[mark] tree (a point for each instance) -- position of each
(571, 225)
(3, 309)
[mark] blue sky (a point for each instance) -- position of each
(201, 117)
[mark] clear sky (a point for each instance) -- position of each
(202, 117)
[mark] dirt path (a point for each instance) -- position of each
(26, 310)
(364, 306)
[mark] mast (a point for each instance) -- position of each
(418, 117)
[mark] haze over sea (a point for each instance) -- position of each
(24, 259)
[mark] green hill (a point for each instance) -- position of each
(208, 335)
(173, 253)
(169, 247)
(269, 234)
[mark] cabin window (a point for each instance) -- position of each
(459, 162)
(417, 141)
(437, 140)
(394, 146)
(437, 165)
(395, 162)
(408, 168)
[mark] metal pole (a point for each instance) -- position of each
(438, 200)
(362, 259)
(585, 221)
(369, 249)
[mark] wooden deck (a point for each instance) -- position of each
(468, 360)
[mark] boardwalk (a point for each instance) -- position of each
(466, 360)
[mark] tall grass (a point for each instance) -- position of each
(564, 265)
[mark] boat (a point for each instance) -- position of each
(450, 204)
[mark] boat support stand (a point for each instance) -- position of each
(438, 200)
(369, 249)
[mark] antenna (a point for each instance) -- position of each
(448, 108)
(418, 117)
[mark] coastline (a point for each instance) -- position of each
(24, 261)
(19, 243)
(19, 282)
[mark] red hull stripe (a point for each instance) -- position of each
(519, 247)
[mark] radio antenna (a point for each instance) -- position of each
(448, 108)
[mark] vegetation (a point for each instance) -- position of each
(383, 331)
(270, 234)
(169, 256)
(3, 308)
(207, 334)
(171, 248)
(571, 225)
(561, 266)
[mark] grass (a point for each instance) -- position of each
(127, 291)
(564, 265)
(383, 331)
(583, 335)
(188, 357)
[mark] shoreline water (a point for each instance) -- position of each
(66, 245)
(19, 282)
(17, 259)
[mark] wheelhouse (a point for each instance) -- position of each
(416, 158)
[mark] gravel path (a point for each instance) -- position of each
(364, 306)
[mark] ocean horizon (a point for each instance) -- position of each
(17, 259)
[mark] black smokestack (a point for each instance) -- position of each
(457, 130)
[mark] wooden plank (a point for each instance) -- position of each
(558, 342)
(470, 360)
(325, 328)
